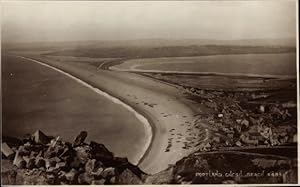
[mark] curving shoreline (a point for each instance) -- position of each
(147, 125)
(166, 114)
(136, 65)
(136, 70)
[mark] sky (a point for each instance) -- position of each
(32, 21)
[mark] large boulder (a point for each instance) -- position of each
(90, 166)
(133, 168)
(40, 138)
(108, 172)
(128, 177)
(83, 153)
(72, 176)
(163, 177)
(100, 152)
(118, 161)
(7, 151)
(80, 138)
(85, 178)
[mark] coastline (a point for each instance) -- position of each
(131, 66)
(171, 118)
(146, 124)
(113, 68)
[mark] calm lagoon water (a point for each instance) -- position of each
(261, 64)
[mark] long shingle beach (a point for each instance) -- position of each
(158, 102)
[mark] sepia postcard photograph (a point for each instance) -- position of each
(149, 92)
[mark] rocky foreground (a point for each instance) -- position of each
(40, 159)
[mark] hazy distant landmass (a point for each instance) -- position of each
(151, 48)
(159, 42)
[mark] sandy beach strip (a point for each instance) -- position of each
(172, 119)
(115, 100)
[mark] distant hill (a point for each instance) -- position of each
(285, 42)
(188, 42)
(168, 51)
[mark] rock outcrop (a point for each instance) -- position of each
(37, 161)
(41, 159)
